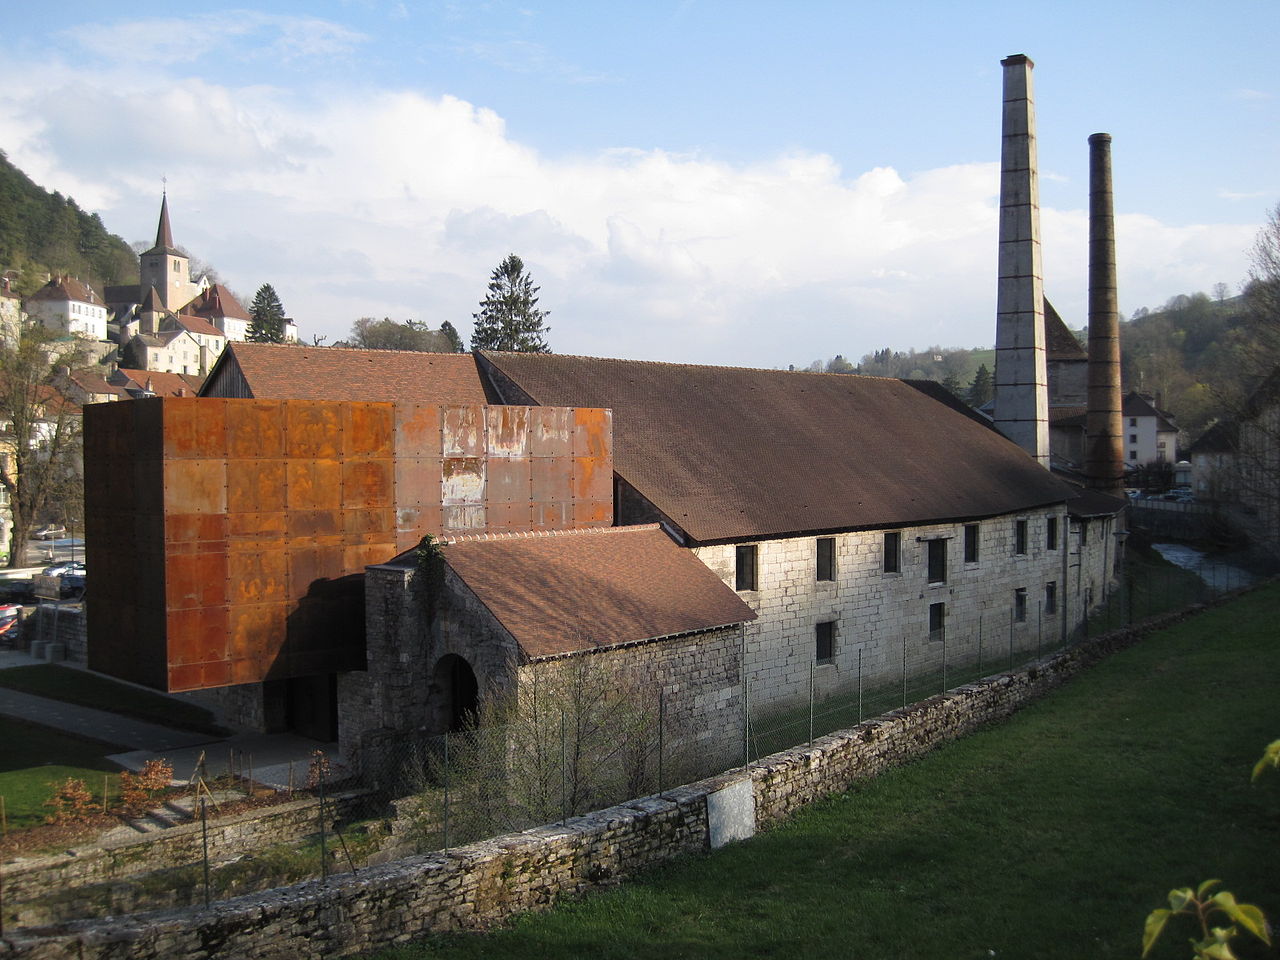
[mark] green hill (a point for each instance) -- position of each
(43, 232)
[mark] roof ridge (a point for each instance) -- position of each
(360, 350)
(536, 534)
(694, 366)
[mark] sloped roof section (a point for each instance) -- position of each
(580, 590)
(217, 301)
(736, 454)
(290, 372)
(1136, 405)
(154, 381)
(1060, 343)
(66, 288)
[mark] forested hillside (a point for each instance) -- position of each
(43, 232)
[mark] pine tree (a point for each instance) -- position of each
(983, 387)
(509, 318)
(451, 334)
(267, 312)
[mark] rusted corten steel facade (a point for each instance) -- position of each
(231, 536)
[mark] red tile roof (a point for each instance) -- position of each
(578, 590)
(736, 454)
(162, 384)
(66, 288)
(216, 301)
(294, 372)
(194, 324)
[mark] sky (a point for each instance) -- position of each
(756, 184)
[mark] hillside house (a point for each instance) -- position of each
(1151, 436)
(67, 306)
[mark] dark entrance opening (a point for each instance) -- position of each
(311, 706)
(454, 694)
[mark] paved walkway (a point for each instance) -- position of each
(279, 759)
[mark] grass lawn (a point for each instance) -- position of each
(94, 690)
(1052, 835)
(35, 757)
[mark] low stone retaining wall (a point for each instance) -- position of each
(29, 881)
(475, 886)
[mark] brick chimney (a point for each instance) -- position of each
(1021, 378)
(1104, 425)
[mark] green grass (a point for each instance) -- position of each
(102, 693)
(1051, 835)
(36, 757)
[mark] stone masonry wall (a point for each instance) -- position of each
(475, 886)
(881, 616)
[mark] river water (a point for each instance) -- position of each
(1213, 570)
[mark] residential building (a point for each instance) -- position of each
(1150, 434)
(67, 306)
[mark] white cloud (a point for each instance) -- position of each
(365, 202)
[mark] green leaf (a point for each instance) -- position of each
(1253, 920)
(1205, 887)
(1178, 899)
(1154, 926)
(1270, 758)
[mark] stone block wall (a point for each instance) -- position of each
(485, 883)
(62, 624)
(881, 617)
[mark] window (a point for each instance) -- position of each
(1084, 532)
(1160, 456)
(177, 265)
(826, 558)
(1133, 421)
(937, 621)
(1160, 444)
(1051, 598)
(1133, 438)
(745, 567)
(1051, 534)
(937, 561)
(1020, 536)
(825, 642)
(1133, 454)
(892, 552)
(970, 543)
(1020, 605)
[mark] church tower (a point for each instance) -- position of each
(166, 268)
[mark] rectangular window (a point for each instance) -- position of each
(1020, 537)
(1084, 532)
(1051, 534)
(1133, 438)
(937, 561)
(1020, 605)
(892, 552)
(825, 642)
(1051, 598)
(1133, 421)
(970, 543)
(745, 567)
(826, 558)
(1133, 454)
(937, 621)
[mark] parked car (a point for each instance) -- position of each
(64, 568)
(50, 531)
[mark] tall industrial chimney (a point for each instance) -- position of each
(1021, 388)
(1104, 456)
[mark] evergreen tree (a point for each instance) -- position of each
(451, 334)
(953, 386)
(509, 318)
(983, 387)
(267, 312)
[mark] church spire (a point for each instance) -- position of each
(164, 236)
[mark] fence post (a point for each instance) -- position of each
(324, 852)
(1039, 625)
(204, 842)
(811, 703)
(944, 661)
(859, 684)
(904, 669)
(1011, 639)
(563, 772)
(445, 817)
(979, 643)
(662, 724)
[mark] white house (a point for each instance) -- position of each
(66, 305)
(1150, 434)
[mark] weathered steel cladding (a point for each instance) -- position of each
(232, 534)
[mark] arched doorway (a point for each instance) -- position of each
(454, 694)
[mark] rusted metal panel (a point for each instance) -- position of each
(367, 483)
(550, 432)
(313, 430)
(592, 478)
(508, 480)
(462, 431)
(379, 521)
(462, 518)
(313, 485)
(256, 574)
(195, 486)
(256, 526)
(195, 580)
(255, 429)
(593, 432)
(551, 479)
(552, 516)
(587, 513)
(195, 428)
(463, 480)
(507, 431)
(368, 429)
(417, 481)
(509, 516)
(417, 430)
(256, 486)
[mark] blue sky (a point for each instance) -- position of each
(742, 183)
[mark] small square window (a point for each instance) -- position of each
(937, 621)
(1133, 438)
(937, 561)
(1020, 537)
(892, 552)
(1133, 454)
(1051, 598)
(1133, 421)
(1051, 534)
(971, 543)
(1020, 605)
(825, 642)
(826, 558)
(745, 567)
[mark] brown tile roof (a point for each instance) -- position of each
(1060, 343)
(1136, 405)
(93, 384)
(162, 384)
(288, 372)
(581, 589)
(194, 324)
(1092, 503)
(735, 454)
(66, 288)
(216, 301)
